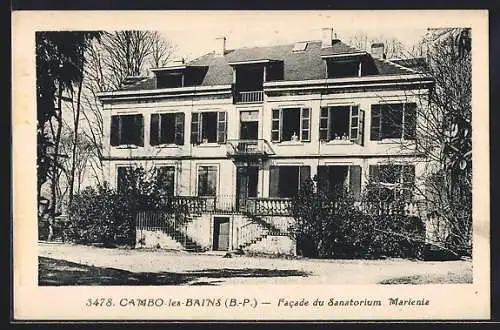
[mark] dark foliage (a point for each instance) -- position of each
(332, 225)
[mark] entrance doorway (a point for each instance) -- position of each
(246, 184)
(221, 234)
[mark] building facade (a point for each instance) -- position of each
(242, 129)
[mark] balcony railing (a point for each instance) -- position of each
(250, 97)
(257, 147)
(269, 206)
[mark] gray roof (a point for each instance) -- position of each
(303, 65)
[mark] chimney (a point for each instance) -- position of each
(220, 46)
(378, 50)
(326, 37)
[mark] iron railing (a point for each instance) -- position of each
(248, 147)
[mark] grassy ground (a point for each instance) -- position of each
(62, 272)
(66, 264)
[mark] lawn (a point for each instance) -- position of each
(67, 264)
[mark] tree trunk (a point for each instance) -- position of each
(75, 141)
(57, 138)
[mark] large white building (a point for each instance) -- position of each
(241, 129)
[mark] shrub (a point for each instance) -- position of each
(100, 215)
(107, 216)
(330, 225)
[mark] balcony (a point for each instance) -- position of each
(250, 97)
(248, 148)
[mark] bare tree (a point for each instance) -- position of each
(110, 61)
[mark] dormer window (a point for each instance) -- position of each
(179, 76)
(299, 47)
(343, 69)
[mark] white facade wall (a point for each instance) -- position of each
(188, 157)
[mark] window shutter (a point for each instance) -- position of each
(115, 130)
(354, 124)
(304, 174)
(179, 128)
(355, 181)
(274, 176)
(154, 130)
(410, 121)
(221, 127)
(376, 122)
(305, 124)
(408, 175)
(139, 126)
(323, 124)
(323, 181)
(276, 125)
(374, 173)
(195, 128)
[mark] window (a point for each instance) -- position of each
(341, 123)
(167, 128)
(166, 181)
(208, 127)
(207, 180)
(170, 80)
(285, 181)
(127, 130)
(390, 181)
(291, 124)
(343, 69)
(393, 121)
(334, 177)
(122, 178)
(299, 46)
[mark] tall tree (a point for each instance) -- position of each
(59, 61)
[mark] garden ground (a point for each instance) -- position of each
(67, 264)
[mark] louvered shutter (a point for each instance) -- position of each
(179, 128)
(410, 121)
(154, 129)
(305, 124)
(139, 128)
(274, 179)
(304, 174)
(356, 125)
(221, 127)
(323, 181)
(195, 128)
(355, 181)
(115, 131)
(323, 124)
(374, 173)
(276, 125)
(376, 123)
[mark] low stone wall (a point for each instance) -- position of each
(156, 238)
(274, 245)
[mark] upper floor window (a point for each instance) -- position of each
(343, 68)
(341, 123)
(167, 128)
(127, 130)
(208, 127)
(170, 80)
(291, 124)
(393, 121)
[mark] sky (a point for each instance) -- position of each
(197, 36)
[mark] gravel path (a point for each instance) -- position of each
(254, 270)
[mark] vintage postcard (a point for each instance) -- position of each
(251, 165)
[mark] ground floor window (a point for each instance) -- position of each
(166, 179)
(207, 180)
(123, 178)
(334, 179)
(285, 181)
(390, 182)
